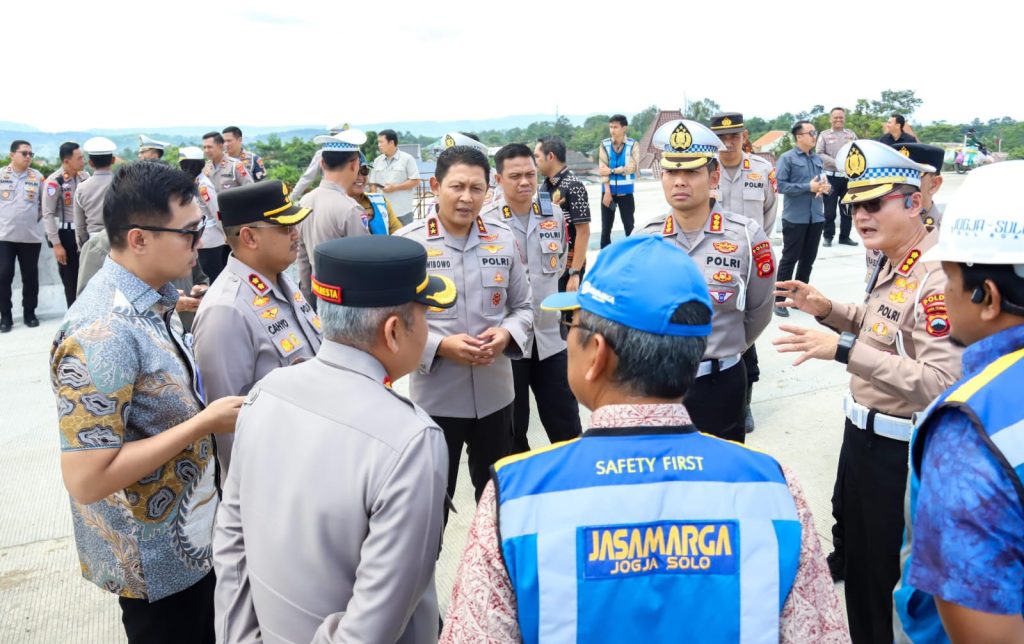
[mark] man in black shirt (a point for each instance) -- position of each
(894, 133)
(569, 193)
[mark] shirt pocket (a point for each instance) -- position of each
(6, 191)
(724, 286)
(494, 275)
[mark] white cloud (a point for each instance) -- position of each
(266, 63)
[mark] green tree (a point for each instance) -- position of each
(702, 110)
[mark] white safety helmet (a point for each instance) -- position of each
(981, 223)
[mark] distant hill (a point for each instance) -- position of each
(46, 144)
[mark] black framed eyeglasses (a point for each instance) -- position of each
(874, 205)
(196, 233)
(566, 323)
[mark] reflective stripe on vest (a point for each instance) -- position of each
(379, 224)
(621, 184)
(608, 536)
(982, 397)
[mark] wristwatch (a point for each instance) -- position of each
(573, 272)
(846, 342)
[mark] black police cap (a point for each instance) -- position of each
(727, 123)
(264, 201)
(378, 270)
(922, 153)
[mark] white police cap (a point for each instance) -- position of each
(190, 153)
(346, 141)
(452, 139)
(147, 143)
(686, 144)
(980, 225)
(337, 127)
(99, 145)
(873, 170)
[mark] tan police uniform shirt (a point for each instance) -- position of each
(21, 206)
(58, 202)
(335, 215)
(748, 190)
(330, 523)
(88, 208)
(493, 291)
(828, 145)
(543, 244)
(213, 236)
(739, 267)
(229, 173)
(903, 357)
(245, 328)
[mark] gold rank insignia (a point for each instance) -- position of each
(855, 162)
(670, 226)
(433, 230)
(909, 262)
(506, 212)
(449, 142)
(258, 283)
(316, 322)
(260, 301)
(269, 314)
(480, 225)
(297, 296)
(715, 223)
(681, 139)
(746, 162)
(536, 208)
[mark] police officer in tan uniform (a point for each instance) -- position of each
(253, 319)
(738, 264)
(827, 146)
(464, 379)
(540, 230)
(896, 346)
(21, 237)
(59, 215)
(224, 173)
(88, 200)
(746, 187)
(336, 213)
(150, 149)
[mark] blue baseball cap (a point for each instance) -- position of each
(639, 282)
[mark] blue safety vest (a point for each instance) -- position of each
(620, 184)
(379, 224)
(665, 533)
(986, 398)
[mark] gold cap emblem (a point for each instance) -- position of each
(855, 162)
(449, 142)
(681, 138)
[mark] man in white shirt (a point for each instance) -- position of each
(396, 173)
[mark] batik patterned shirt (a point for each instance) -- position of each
(123, 371)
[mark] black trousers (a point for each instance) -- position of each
(69, 271)
(837, 507)
(486, 439)
(27, 255)
(717, 403)
(833, 203)
(183, 617)
(873, 487)
(559, 412)
(213, 260)
(799, 250)
(753, 368)
(627, 206)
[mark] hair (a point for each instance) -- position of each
(67, 149)
(233, 131)
(461, 154)
(358, 326)
(900, 121)
(1007, 280)
(511, 151)
(159, 152)
(17, 143)
(841, 109)
(799, 125)
(390, 135)
(620, 119)
(659, 366)
(711, 165)
(192, 167)
(335, 159)
(553, 145)
(101, 161)
(141, 194)
(215, 136)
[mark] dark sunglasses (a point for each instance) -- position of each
(195, 233)
(874, 205)
(364, 170)
(566, 323)
(25, 153)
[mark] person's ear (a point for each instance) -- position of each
(991, 301)
(435, 186)
(136, 241)
(601, 358)
(936, 183)
(392, 331)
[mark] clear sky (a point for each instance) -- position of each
(80, 65)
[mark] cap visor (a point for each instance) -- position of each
(685, 164)
(291, 216)
(438, 292)
(568, 301)
(868, 193)
(732, 129)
